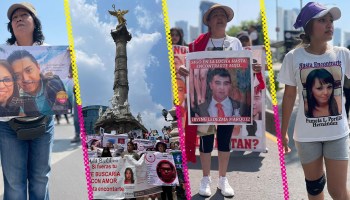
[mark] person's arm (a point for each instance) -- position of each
(289, 97)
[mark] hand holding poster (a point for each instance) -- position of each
(38, 80)
(221, 87)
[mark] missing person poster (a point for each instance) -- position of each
(220, 87)
(107, 177)
(161, 169)
(36, 80)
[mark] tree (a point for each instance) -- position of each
(234, 30)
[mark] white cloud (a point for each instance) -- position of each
(143, 17)
(95, 51)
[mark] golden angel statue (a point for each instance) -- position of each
(119, 14)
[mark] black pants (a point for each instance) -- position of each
(167, 192)
(223, 137)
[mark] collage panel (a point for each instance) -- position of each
(132, 141)
(41, 156)
(225, 62)
(310, 51)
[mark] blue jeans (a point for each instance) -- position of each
(26, 163)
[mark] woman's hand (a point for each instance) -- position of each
(285, 141)
(256, 67)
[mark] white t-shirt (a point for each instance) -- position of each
(311, 74)
(228, 43)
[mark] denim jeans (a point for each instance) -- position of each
(26, 163)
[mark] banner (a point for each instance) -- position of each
(143, 145)
(220, 87)
(107, 177)
(161, 169)
(38, 80)
(119, 178)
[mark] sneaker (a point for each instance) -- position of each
(224, 186)
(75, 140)
(204, 188)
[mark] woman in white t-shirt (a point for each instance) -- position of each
(321, 128)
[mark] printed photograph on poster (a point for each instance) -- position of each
(220, 87)
(161, 169)
(180, 60)
(107, 177)
(38, 80)
(141, 187)
(322, 91)
(252, 137)
(143, 145)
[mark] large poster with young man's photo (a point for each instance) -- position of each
(35, 80)
(220, 87)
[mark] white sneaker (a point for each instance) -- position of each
(224, 186)
(204, 188)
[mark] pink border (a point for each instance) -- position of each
(281, 153)
(184, 158)
(85, 154)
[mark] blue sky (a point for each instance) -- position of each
(148, 65)
(51, 15)
(188, 10)
(270, 5)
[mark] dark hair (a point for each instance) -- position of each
(324, 77)
(217, 71)
(8, 67)
(180, 32)
(132, 174)
(38, 35)
(172, 169)
(305, 37)
(161, 143)
(19, 54)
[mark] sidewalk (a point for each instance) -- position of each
(67, 179)
(252, 175)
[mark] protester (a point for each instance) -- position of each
(26, 163)
(320, 139)
(177, 36)
(130, 151)
(216, 18)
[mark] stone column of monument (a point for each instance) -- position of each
(118, 117)
(121, 85)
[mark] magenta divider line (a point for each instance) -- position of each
(281, 154)
(85, 154)
(183, 152)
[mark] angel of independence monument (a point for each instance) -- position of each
(118, 117)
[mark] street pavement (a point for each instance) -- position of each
(252, 175)
(67, 179)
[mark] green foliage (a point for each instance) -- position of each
(234, 30)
